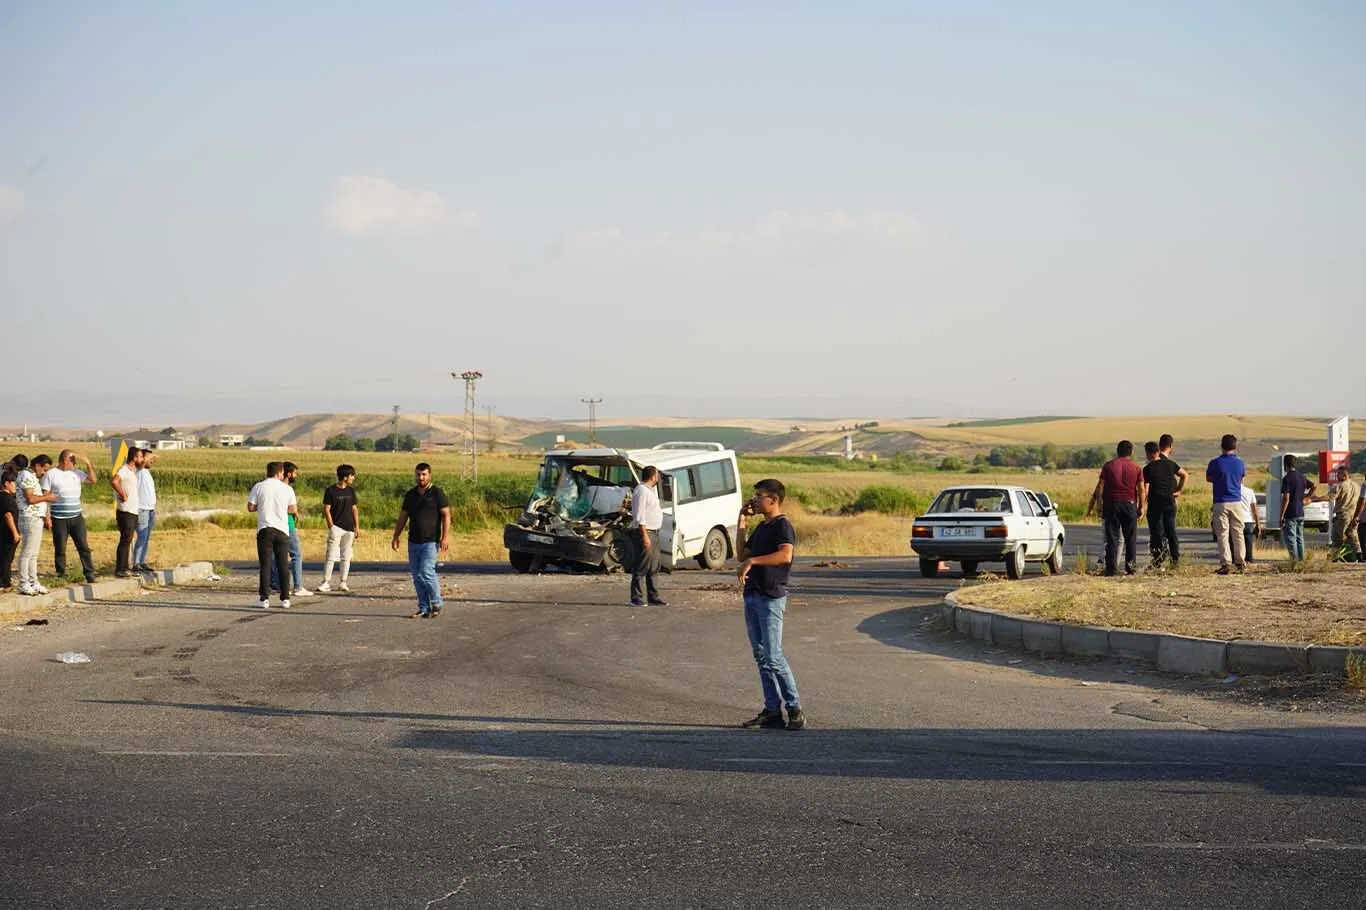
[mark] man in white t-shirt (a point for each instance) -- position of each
(1252, 523)
(273, 501)
(147, 512)
(125, 484)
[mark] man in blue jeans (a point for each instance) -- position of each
(427, 512)
(1295, 489)
(766, 560)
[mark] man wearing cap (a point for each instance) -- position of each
(1346, 505)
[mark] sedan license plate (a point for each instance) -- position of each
(959, 532)
(540, 538)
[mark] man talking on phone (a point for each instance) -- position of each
(766, 559)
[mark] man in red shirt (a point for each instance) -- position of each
(1120, 490)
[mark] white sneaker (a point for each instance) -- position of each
(324, 588)
(344, 587)
(39, 589)
(302, 592)
(264, 604)
(284, 605)
(28, 590)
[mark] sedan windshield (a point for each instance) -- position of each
(986, 499)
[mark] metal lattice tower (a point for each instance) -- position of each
(471, 465)
(592, 417)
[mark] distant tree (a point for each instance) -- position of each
(385, 443)
(365, 444)
(253, 441)
(1051, 455)
(206, 443)
(951, 463)
(1090, 457)
(340, 442)
(1359, 461)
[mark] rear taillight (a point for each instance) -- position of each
(921, 531)
(995, 531)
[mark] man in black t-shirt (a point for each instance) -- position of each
(1296, 489)
(1165, 480)
(766, 561)
(427, 512)
(341, 511)
(9, 523)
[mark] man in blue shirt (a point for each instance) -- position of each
(1225, 475)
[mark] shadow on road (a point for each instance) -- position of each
(1273, 760)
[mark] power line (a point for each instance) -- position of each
(592, 417)
(471, 464)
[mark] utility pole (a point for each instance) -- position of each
(393, 428)
(471, 465)
(592, 417)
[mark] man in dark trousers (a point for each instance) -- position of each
(646, 516)
(1165, 479)
(1120, 490)
(766, 560)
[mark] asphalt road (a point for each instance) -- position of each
(541, 744)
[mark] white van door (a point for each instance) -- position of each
(669, 548)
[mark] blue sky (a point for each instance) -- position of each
(710, 209)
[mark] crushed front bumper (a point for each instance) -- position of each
(562, 547)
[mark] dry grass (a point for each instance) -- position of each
(1107, 430)
(867, 534)
(1325, 604)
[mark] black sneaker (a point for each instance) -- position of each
(658, 602)
(796, 720)
(1222, 570)
(765, 718)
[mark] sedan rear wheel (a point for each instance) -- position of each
(929, 568)
(1054, 561)
(1015, 564)
(969, 568)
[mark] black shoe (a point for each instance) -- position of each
(658, 602)
(1128, 568)
(796, 720)
(91, 579)
(434, 611)
(1240, 568)
(123, 574)
(1222, 570)
(637, 602)
(765, 718)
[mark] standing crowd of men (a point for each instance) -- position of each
(38, 496)
(1124, 491)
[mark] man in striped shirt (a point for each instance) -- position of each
(68, 520)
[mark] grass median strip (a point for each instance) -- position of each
(1324, 607)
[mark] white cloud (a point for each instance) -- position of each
(11, 202)
(780, 234)
(365, 206)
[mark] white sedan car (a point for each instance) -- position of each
(976, 524)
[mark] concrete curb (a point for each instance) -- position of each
(19, 603)
(1174, 653)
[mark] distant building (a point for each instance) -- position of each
(231, 439)
(159, 443)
